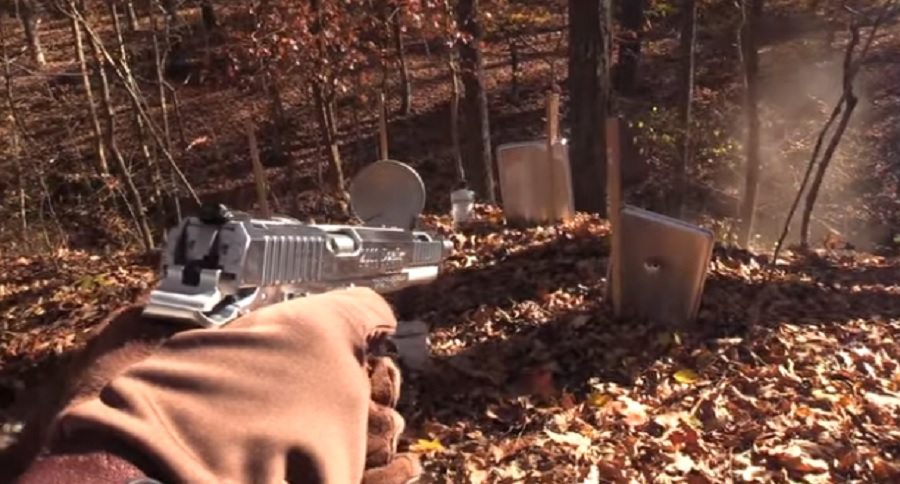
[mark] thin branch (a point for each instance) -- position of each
(157, 138)
(850, 71)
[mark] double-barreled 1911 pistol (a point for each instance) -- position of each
(222, 264)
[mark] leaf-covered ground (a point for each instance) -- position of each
(797, 378)
(792, 379)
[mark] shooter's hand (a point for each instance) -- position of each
(287, 393)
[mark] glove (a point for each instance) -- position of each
(285, 393)
(383, 464)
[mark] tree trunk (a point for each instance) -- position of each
(160, 75)
(325, 113)
(170, 8)
(632, 22)
(750, 11)
(20, 178)
(208, 11)
(128, 83)
(588, 101)
(454, 118)
(477, 153)
(324, 99)
(844, 107)
(514, 63)
(131, 14)
(685, 165)
(278, 116)
(155, 173)
(30, 24)
(138, 211)
(405, 84)
(19, 172)
(99, 149)
(849, 101)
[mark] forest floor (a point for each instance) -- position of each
(787, 376)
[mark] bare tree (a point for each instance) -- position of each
(455, 94)
(136, 205)
(323, 95)
(751, 11)
(477, 152)
(16, 144)
(130, 14)
(208, 12)
(688, 43)
(31, 25)
(99, 147)
(136, 97)
(589, 101)
(849, 100)
(843, 108)
(20, 137)
(632, 22)
(405, 83)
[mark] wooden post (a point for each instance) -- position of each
(259, 173)
(552, 137)
(614, 192)
(382, 128)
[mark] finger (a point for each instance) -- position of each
(403, 469)
(374, 316)
(385, 379)
(384, 428)
(366, 315)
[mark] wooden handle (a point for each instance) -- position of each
(382, 128)
(552, 138)
(552, 117)
(614, 194)
(259, 174)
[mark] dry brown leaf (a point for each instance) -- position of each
(634, 413)
(884, 470)
(580, 442)
(796, 459)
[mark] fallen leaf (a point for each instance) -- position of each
(633, 412)
(426, 445)
(593, 476)
(477, 476)
(683, 463)
(884, 470)
(567, 401)
(197, 142)
(686, 376)
(847, 460)
(599, 399)
(569, 438)
(795, 459)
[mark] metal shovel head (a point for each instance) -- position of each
(664, 266)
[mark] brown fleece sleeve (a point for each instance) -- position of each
(281, 394)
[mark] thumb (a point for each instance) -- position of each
(403, 469)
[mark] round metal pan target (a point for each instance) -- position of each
(387, 193)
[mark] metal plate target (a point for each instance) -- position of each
(387, 193)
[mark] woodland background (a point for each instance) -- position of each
(119, 116)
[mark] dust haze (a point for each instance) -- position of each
(800, 84)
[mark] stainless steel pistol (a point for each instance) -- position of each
(222, 264)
